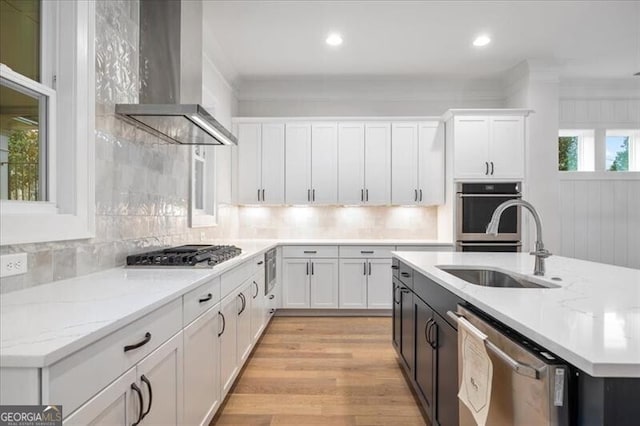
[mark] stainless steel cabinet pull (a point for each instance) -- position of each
(492, 168)
(518, 367)
(147, 338)
(208, 297)
(224, 323)
(148, 383)
(137, 390)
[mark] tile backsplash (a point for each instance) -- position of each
(142, 185)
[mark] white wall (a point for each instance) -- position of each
(363, 96)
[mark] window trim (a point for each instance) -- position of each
(634, 148)
(72, 160)
(586, 148)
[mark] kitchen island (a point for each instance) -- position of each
(587, 314)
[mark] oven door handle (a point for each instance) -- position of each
(461, 195)
(517, 366)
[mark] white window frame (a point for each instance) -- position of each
(634, 147)
(586, 148)
(69, 212)
(207, 216)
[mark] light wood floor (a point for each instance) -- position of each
(322, 371)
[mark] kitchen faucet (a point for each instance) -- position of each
(540, 253)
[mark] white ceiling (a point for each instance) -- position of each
(266, 39)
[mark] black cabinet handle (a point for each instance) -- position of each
(261, 262)
(258, 195)
(224, 323)
(421, 195)
(208, 297)
(369, 268)
(397, 302)
(313, 195)
(312, 268)
(263, 195)
(310, 251)
(148, 383)
(426, 330)
(415, 195)
(271, 311)
(272, 296)
(364, 268)
(492, 168)
(433, 341)
(137, 390)
(308, 195)
(147, 338)
(307, 268)
(395, 267)
(362, 195)
(486, 165)
(244, 303)
(366, 195)
(257, 289)
(405, 274)
(366, 251)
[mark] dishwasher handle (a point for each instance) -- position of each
(517, 366)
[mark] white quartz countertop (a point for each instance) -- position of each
(43, 324)
(592, 319)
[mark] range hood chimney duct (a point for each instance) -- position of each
(170, 67)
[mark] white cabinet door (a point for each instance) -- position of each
(257, 305)
(353, 283)
(379, 286)
(351, 169)
(471, 147)
(202, 368)
(272, 163)
(431, 163)
(243, 333)
(295, 289)
(324, 283)
(228, 343)
(160, 374)
(298, 163)
(404, 164)
(324, 163)
(116, 404)
(377, 154)
(249, 162)
(506, 147)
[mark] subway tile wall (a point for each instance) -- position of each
(142, 185)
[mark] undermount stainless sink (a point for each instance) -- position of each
(492, 278)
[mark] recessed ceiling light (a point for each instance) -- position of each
(334, 39)
(482, 40)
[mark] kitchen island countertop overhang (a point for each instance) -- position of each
(590, 318)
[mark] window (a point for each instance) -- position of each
(203, 206)
(25, 103)
(47, 106)
(576, 150)
(622, 150)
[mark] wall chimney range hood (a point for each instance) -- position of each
(170, 70)
(186, 124)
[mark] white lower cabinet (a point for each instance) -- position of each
(243, 330)
(310, 283)
(150, 393)
(202, 368)
(228, 342)
(365, 283)
(258, 319)
(114, 405)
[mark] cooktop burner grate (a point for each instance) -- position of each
(185, 256)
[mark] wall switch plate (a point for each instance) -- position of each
(13, 264)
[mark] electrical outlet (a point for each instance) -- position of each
(13, 264)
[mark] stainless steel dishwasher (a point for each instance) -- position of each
(530, 385)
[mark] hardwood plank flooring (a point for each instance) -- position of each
(322, 371)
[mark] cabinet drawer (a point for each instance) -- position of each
(406, 275)
(232, 279)
(196, 302)
(78, 377)
(366, 252)
(310, 251)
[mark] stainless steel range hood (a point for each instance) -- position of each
(170, 69)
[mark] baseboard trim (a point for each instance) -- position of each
(333, 312)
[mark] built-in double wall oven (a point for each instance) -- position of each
(475, 204)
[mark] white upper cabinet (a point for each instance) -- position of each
(364, 163)
(298, 163)
(351, 167)
(488, 147)
(417, 167)
(324, 163)
(261, 163)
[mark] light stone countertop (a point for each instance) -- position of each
(592, 320)
(43, 324)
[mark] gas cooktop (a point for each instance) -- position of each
(188, 256)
